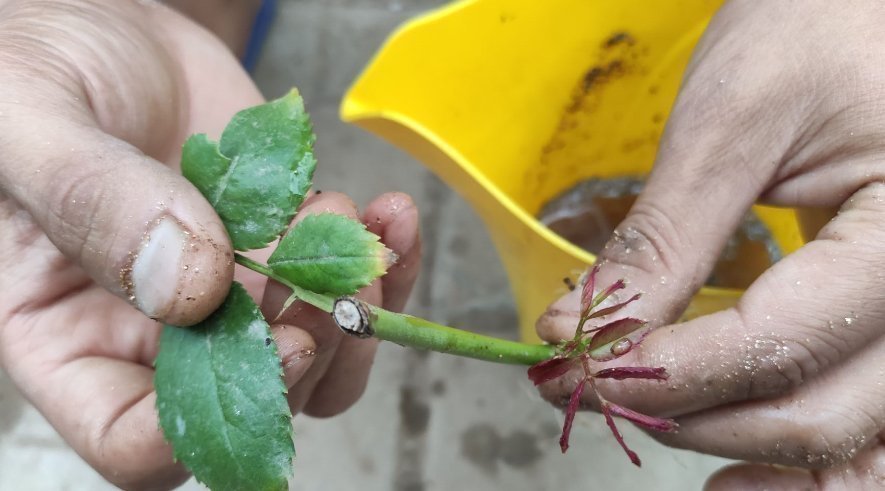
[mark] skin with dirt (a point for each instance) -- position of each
(587, 213)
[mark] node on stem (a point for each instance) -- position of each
(353, 317)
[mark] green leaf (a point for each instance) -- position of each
(257, 176)
(330, 253)
(222, 401)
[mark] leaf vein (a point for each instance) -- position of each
(223, 430)
(309, 259)
(224, 180)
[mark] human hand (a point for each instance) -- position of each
(98, 97)
(783, 103)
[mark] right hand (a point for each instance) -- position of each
(781, 104)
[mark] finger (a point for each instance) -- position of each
(348, 371)
(105, 409)
(317, 324)
(800, 317)
(867, 471)
(703, 183)
(141, 231)
(752, 477)
(71, 369)
(198, 53)
(296, 349)
(138, 229)
(824, 423)
(394, 218)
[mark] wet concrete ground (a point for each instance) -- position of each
(427, 421)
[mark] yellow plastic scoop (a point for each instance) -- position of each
(513, 101)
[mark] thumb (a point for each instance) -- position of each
(136, 227)
(703, 183)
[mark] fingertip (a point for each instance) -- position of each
(394, 218)
(757, 476)
(558, 322)
(297, 350)
(180, 273)
(388, 208)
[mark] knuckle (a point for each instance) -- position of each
(776, 367)
(860, 220)
(74, 209)
(647, 240)
(779, 365)
(27, 60)
(776, 364)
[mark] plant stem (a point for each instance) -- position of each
(415, 332)
(322, 302)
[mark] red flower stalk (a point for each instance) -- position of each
(650, 422)
(606, 411)
(589, 285)
(598, 299)
(613, 308)
(573, 403)
(623, 373)
(602, 343)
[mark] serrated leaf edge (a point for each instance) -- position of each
(284, 417)
(384, 257)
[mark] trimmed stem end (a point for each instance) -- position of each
(352, 317)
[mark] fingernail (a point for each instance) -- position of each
(157, 266)
(297, 351)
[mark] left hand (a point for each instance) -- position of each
(98, 97)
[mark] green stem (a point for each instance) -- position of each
(415, 332)
(322, 302)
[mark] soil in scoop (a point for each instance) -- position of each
(588, 213)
